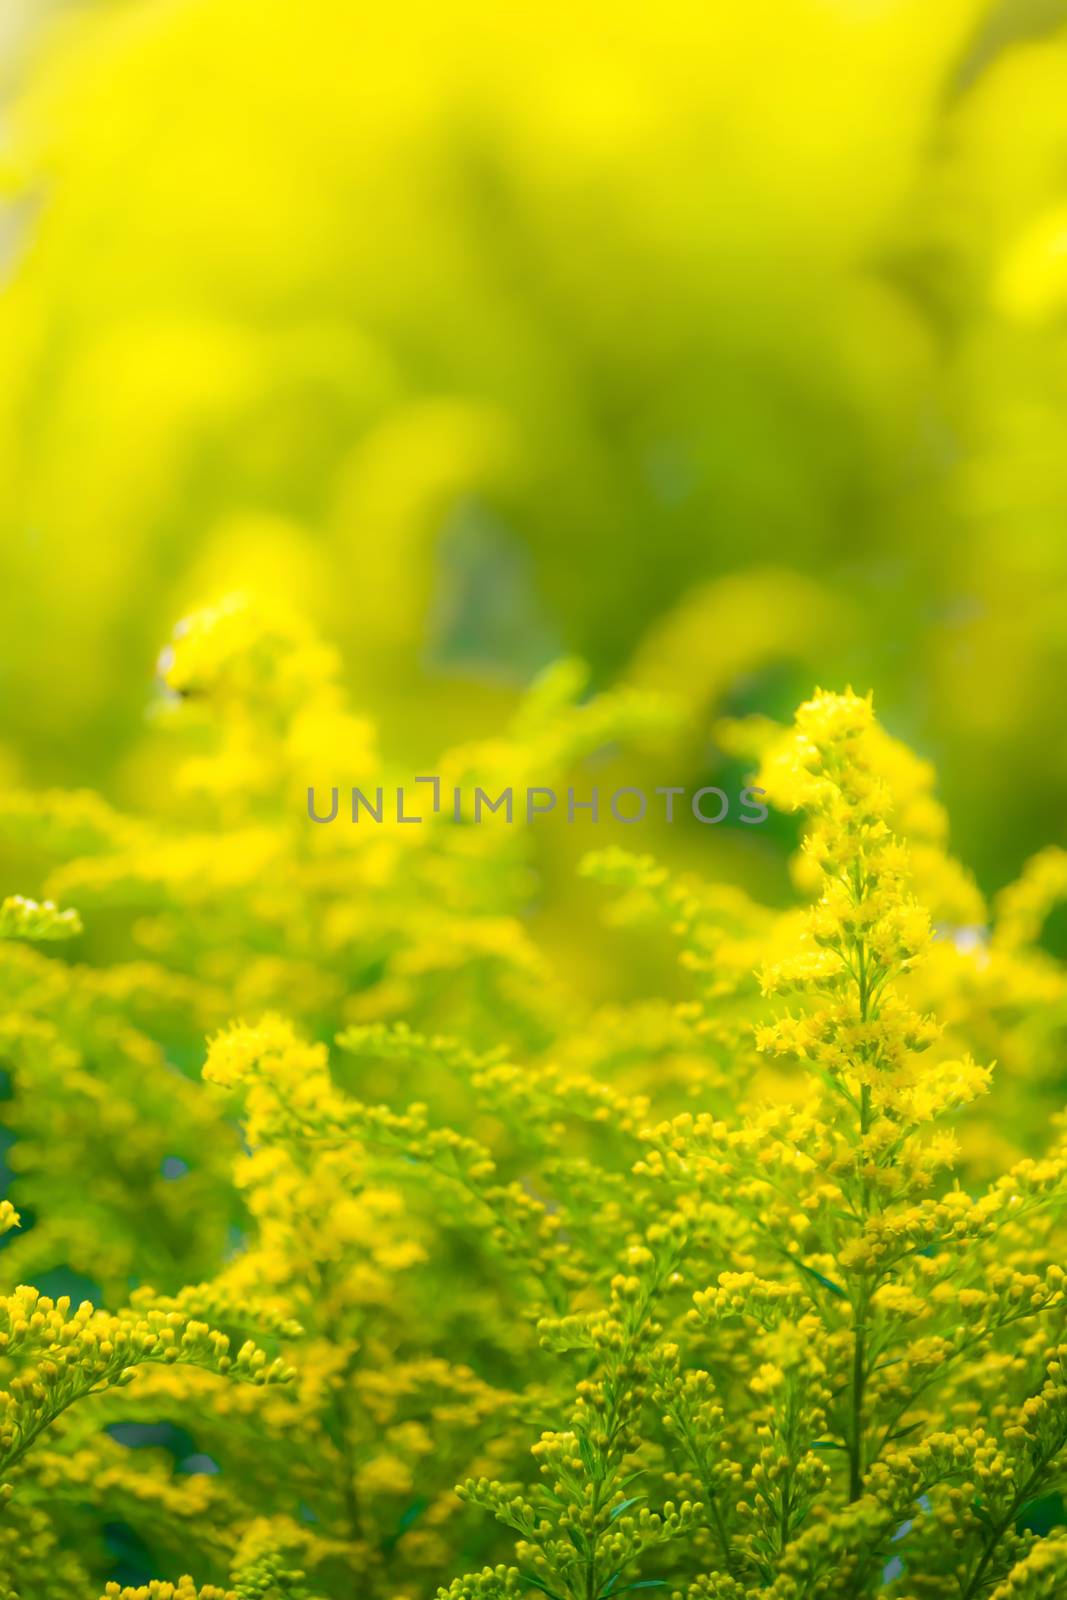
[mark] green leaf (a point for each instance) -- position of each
(624, 1505)
(535, 1583)
(827, 1283)
(407, 1520)
(631, 1477)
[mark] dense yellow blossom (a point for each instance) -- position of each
(702, 1291)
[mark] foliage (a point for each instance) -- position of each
(715, 1293)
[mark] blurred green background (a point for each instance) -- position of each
(724, 346)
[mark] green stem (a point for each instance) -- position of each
(859, 1382)
(859, 1343)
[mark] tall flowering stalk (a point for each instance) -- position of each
(876, 1292)
(860, 1036)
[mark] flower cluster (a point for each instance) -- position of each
(462, 1283)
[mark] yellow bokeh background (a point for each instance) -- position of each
(720, 346)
